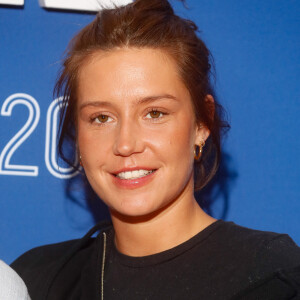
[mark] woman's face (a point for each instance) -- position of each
(136, 130)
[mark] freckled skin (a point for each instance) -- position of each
(131, 135)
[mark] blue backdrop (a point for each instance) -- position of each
(256, 47)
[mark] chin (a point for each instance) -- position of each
(139, 211)
(134, 212)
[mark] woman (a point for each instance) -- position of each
(142, 117)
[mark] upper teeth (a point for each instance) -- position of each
(134, 174)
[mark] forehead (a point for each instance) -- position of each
(127, 73)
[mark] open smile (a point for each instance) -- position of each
(131, 179)
(128, 175)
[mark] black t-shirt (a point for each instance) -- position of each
(224, 261)
(217, 263)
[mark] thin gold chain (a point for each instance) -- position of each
(103, 263)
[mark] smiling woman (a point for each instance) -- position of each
(132, 141)
(142, 117)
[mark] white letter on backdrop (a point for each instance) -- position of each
(12, 2)
(90, 5)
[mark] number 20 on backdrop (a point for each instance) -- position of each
(28, 128)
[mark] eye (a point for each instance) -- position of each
(102, 119)
(154, 114)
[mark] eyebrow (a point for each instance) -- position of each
(143, 100)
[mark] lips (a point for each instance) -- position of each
(132, 178)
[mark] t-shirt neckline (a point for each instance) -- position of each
(158, 258)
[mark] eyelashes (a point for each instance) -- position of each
(152, 115)
(101, 119)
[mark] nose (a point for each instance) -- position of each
(128, 139)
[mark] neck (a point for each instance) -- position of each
(141, 236)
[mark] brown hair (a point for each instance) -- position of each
(150, 24)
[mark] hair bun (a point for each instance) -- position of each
(154, 5)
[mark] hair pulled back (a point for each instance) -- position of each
(145, 24)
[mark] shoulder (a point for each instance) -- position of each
(268, 249)
(11, 285)
(39, 267)
(245, 233)
(40, 263)
(257, 241)
(50, 256)
(241, 234)
(264, 260)
(43, 255)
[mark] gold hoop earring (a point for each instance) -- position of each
(198, 150)
(80, 162)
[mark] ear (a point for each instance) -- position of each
(203, 132)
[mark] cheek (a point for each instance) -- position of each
(93, 146)
(182, 137)
(174, 143)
